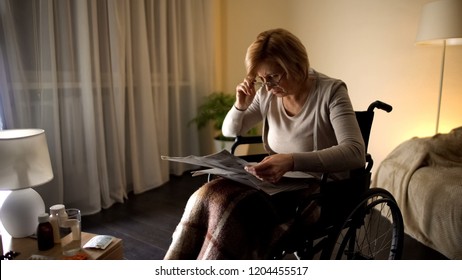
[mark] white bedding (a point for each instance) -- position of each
(425, 177)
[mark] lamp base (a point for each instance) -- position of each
(20, 211)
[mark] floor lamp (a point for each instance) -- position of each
(441, 23)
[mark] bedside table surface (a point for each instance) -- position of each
(28, 246)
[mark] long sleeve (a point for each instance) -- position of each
(238, 123)
(336, 121)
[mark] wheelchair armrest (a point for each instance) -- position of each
(241, 140)
(367, 169)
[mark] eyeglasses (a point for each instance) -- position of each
(272, 80)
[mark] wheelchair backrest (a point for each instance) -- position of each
(365, 119)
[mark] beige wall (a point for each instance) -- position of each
(367, 43)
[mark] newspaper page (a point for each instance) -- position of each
(227, 165)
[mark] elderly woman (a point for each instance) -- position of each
(309, 125)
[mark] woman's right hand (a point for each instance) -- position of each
(245, 92)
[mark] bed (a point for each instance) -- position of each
(425, 177)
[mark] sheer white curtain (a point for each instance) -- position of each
(114, 84)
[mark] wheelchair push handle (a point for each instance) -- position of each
(380, 105)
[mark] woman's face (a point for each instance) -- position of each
(273, 77)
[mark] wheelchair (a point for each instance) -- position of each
(357, 222)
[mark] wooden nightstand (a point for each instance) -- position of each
(27, 247)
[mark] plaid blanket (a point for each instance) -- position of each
(227, 220)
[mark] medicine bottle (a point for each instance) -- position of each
(54, 216)
(45, 239)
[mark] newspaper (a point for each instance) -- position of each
(227, 165)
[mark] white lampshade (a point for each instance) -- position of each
(24, 159)
(441, 21)
(24, 164)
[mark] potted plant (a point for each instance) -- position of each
(214, 110)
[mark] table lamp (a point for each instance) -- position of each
(441, 23)
(24, 164)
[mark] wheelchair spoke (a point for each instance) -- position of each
(372, 231)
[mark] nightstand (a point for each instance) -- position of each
(27, 247)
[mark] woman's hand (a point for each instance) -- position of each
(245, 92)
(272, 168)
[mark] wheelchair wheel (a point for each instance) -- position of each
(373, 230)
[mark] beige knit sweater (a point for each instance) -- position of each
(323, 137)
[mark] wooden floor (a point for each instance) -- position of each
(146, 222)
